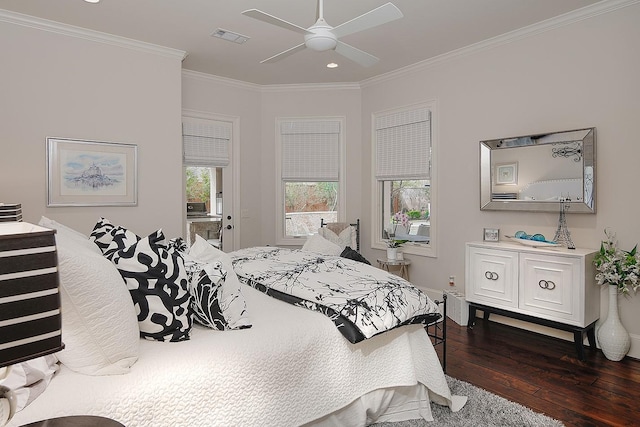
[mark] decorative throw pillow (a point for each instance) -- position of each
(99, 324)
(354, 255)
(221, 283)
(157, 280)
(211, 306)
(121, 239)
(344, 239)
(318, 244)
(102, 234)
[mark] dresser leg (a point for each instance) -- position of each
(472, 317)
(577, 338)
(591, 336)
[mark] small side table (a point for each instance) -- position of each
(77, 421)
(402, 264)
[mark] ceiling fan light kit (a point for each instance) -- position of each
(322, 37)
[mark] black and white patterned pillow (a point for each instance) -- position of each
(157, 280)
(215, 305)
(102, 234)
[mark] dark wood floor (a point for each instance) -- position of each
(544, 374)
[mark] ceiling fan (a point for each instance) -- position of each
(322, 36)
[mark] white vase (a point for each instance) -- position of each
(392, 254)
(613, 337)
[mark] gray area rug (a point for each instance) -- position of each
(482, 409)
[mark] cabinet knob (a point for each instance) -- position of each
(491, 275)
(547, 284)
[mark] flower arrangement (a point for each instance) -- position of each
(402, 219)
(617, 267)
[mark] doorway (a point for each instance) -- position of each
(210, 156)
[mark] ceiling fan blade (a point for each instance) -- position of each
(381, 15)
(265, 17)
(284, 54)
(355, 54)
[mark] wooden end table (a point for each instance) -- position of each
(401, 264)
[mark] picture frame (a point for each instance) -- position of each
(491, 235)
(91, 173)
(507, 173)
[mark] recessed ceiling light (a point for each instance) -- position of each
(332, 65)
(229, 36)
(92, 1)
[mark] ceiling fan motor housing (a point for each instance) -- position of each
(322, 39)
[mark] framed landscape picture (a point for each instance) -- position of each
(91, 173)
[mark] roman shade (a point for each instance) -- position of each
(205, 142)
(403, 145)
(310, 150)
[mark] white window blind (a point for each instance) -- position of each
(403, 145)
(205, 142)
(310, 150)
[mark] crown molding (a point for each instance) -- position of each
(587, 12)
(197, 75)
(91, 35)
(298, 87)
(305, 87)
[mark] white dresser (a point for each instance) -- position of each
(554, 287)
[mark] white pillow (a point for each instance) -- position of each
(318, 244)
(69, 233)
(232, 302)
(344, 239)
(99, 324)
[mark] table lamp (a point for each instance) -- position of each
(30, 321)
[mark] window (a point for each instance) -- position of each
(403, 163)
(310, 167)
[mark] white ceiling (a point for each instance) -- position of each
(429, 28)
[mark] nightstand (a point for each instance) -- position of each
(402, 265)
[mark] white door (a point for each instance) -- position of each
(204, 131)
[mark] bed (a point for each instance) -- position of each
(270, 363)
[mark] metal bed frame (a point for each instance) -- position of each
(437, 331)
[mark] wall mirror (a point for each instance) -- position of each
(536, 172)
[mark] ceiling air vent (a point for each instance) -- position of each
(229, 36)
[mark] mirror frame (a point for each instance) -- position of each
(486, 176)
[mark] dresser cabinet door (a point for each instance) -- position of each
(492, 277)
(550, 287)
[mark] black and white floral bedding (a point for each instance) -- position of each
(361, 300)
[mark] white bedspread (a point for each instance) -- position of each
(275, 374)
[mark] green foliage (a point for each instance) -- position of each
(198, 184)
(617, 267)
(311, 196)
(414, 214)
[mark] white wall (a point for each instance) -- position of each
(576, 76)
(55, 85)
